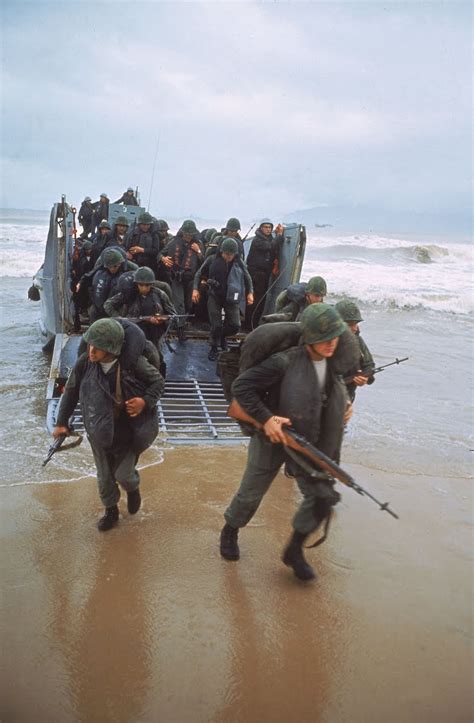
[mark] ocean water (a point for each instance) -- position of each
(416, 300)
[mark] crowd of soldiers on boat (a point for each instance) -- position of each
(143, 272)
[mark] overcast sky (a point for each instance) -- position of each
(259, 108)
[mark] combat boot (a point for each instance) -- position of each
(134, 501)
(293, 557)
(229, 545)
(213, 353)
(109, 520)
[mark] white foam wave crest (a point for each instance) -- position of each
(22, 249)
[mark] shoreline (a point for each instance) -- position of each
(146, 622)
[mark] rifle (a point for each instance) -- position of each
(58, 444)
(251, 227)
(164, 317)
(295, 442)
(348, 380)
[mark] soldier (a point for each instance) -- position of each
(182, 257)
(101, 210)
(362, 375)
(230, 288)
(231, 230)
(119, 232)
(293, 301)
(118, 402)
(143, 244)
(103, 280)
(301, 388)
(261, 263)
(128, 198)
(162, 230)
(100, 239)
(86, 217)
(145, 299)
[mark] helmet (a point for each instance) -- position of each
(348, 310)
(144, 275)
(320, 322)
(111, 257)
(264, 221)
(87, 198)
(162, 225)
(87, 245)
(104, 195)
(107, 335)
(209, 234)
(129, 189)
(104, 224)
(317, 286)
(145, 218)
(233, 224)
(229, 246)
(189, 227)
(121, 221)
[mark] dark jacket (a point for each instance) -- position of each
(101, 212)
(185, 260)
(263, 252)
(134, 304)
(365, 366)
(103, 284)
(147, 240)
(286, 384)
(86, 212)
(82, 266)
(107, 424)
(218, 270)
(128, 199)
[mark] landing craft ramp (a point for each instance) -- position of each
(192, 409)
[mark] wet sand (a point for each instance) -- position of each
(147, 623)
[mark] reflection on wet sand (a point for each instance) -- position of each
(147, 623)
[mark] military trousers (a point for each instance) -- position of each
(231, 323)
(263, 463)
(115, 468)
(182, 291)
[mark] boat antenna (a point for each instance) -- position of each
(154, 166)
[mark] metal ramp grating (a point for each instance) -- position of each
(189, 412)
(195, 411)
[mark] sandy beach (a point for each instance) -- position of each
(147, 623)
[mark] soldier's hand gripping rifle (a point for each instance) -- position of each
(58, 444)
(348, 380)
(297, 443)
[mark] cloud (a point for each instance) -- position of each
(263, 106)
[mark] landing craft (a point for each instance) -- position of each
(193, 408)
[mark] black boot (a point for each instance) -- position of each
(229, 545)
(212, 356)
(109, 520)
(224, 345)
(134, 501)
(294, 558)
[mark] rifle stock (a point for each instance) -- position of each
(299, 444)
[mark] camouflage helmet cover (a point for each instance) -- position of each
(111, 257)
(87, 198)
(87, 245)
(129, 189)
(189, 226)
(104, 195)
(348, 310)
(320, 322)
(162, 224)
(107, 335)
(317, 286)
(145, 218)
(144, 275)
(233, 224)
(122, 221)
(104, 224)
(229, 246)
